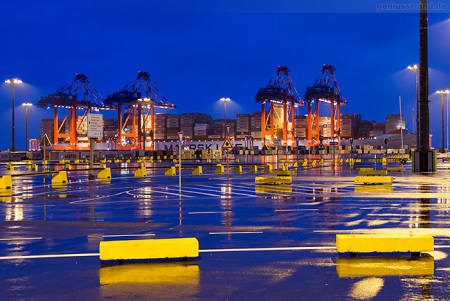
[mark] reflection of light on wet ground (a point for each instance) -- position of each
(366, 288)
(14, 213)
(172, 272)
(384, 266)
(150, 280)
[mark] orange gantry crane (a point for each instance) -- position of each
(137, 98)
(325, 89)
(66, 135)
(277, 124)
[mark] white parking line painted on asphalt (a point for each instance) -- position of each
(205, 212)
(231, 192)
(183, 189)
(295, 210)
(124, 235)
(49, 256)
(20, 238)
(267, 249)
(200, 251)
(170, 193)
(219, 233)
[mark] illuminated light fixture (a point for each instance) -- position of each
(13, 82)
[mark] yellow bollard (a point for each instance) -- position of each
(34, 167)
(238, 169)
(268, 168)
(384, 161)
(68, 167)
(305, 163)
(254, 169)
(28, 164)
(313, 163)
(10, 166)
(295, 164)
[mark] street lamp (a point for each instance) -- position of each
(416, 68)
(442, 92)
(26, 105)
(225, 111)
(13, 82)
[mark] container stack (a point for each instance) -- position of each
(160, 126)
(349, 124)
(81, 125)
(394, 122)
(255, 125)
(325, 126)
(300, 126)
(242, 125)
(110, 127)
(172, 126)
(201, 131)
(187, 125)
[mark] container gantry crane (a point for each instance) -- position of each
(67, 98)
(281, 95)
(325, 89)
(130, 99)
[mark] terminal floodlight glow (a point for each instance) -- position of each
(13, 81)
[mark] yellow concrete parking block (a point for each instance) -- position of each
(373, 180)
(149, 249)
(273, 180)
(385, 243)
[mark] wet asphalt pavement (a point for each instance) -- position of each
(257, 242)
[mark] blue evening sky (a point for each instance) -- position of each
(199, 51)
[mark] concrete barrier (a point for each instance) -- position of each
(149, 249)
(140, 172)
(273, 180)
(60, 177)
(268, 168)
(219, 169)
(373, 180)
(197, 170)
(170, 171)
(5, 182)
(237, 169)
(105, 173)
(254, 169)
(384, 243)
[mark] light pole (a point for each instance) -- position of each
(416, 68)
(26, 105)
(225, 112)
(225, 125)
(13, 82)
(442, 92)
